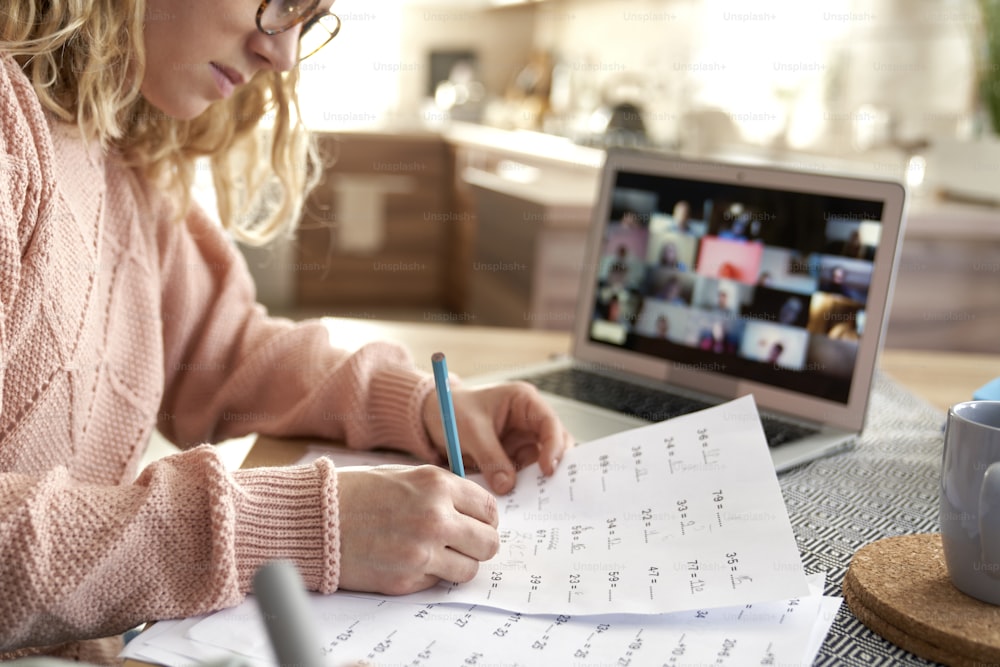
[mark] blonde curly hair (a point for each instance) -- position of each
(85, 59)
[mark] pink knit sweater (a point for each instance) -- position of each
(114, 321)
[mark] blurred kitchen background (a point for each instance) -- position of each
(467, 138)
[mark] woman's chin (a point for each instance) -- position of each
(178, 108)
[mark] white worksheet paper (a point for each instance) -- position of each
(682, 514)
(389, 631)
(665, 545)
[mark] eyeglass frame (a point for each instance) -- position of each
(307, 17)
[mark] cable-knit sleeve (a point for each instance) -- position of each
(184, 539)
(231, 370)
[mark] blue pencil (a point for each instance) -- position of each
(447, 413)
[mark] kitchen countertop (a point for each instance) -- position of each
(932, 217)
(536, 146)
(527, 144)
(928, 216)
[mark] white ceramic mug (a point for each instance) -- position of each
(970, 499)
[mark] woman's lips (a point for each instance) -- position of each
(226, 79)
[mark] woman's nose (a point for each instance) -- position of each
(281, 51)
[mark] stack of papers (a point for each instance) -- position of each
(668, 544)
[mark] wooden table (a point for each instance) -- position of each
(941, 379)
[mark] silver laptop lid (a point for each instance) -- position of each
(731, 279)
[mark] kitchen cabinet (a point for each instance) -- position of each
(378, 230)
(532, 216)
(475, 224)
(945, 294)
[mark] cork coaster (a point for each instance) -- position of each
(899, 588)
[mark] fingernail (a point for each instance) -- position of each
(501, 480)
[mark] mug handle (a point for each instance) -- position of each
(989, 514)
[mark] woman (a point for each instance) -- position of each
(123, 308)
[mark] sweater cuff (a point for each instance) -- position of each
(289, 513)
(397, 398)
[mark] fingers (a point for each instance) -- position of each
(466, 532)
(506, 427)
(495, 465)
(472, 501)
(530, 415)
(459, 567)
(538, 415)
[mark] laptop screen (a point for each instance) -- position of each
(757, 283)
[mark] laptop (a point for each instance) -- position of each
(705, 281)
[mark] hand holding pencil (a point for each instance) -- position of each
(405, 528)
(499, 428)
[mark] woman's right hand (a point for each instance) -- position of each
(403, 529)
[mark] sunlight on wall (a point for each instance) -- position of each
(841, 76)
(767, 65)
(353, 81)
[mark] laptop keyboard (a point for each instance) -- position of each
(644, 402)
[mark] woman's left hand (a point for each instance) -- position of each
(502, 428)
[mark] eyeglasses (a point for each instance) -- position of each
(277, 16)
